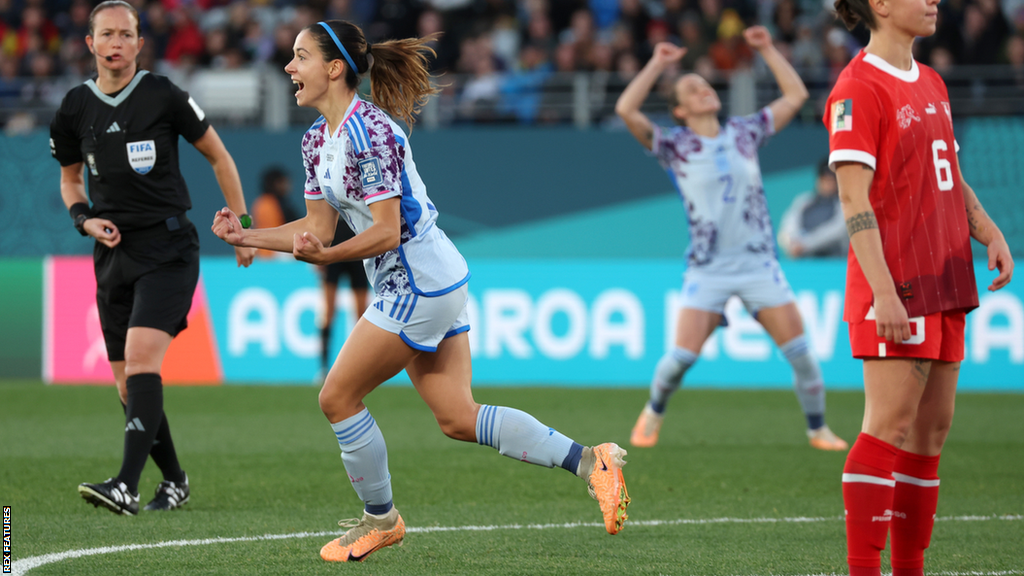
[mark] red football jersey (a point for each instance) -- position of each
(899, 123)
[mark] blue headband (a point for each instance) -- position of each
(337, 43)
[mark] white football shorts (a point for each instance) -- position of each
(422, 321)
(762, 285)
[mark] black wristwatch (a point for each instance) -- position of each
(246, 221)
(80, 212)
(80, 224)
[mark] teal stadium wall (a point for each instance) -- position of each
(503, 193)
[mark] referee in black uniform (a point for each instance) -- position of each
(122, 130)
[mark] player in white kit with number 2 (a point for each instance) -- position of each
(359, 165)
(732, 248)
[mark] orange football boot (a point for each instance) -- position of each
(365, 537)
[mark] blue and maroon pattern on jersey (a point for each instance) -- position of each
(366, 160)
(719, 180)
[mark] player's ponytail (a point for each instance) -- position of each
(853, 11)
(399, 79)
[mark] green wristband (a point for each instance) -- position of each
(246, 221)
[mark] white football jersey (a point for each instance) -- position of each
(719, 180)
(366, 160)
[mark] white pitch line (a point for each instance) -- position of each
(21, 567)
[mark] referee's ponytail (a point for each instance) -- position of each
(399, 79)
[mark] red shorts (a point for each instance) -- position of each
(938, 336)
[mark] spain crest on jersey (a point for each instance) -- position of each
(842, 115)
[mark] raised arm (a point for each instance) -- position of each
(794, 93)
(211, 146)
(985, 231)
(854, 181)
(628, 105)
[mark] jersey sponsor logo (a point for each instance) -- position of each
(842, 116)
(142, 155)
(199, 111)
(929, 109)
(113, 128)
(327, 174)
(369, 172)
(53, 148)
(906, 115)
(945, 108)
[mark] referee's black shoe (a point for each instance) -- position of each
(112, 495)
(169, 495)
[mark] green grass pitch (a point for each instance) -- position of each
(262, 460)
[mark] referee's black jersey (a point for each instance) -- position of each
(129, 143)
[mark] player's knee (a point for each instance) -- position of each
(457, 428)
(335, 404)
(139, 363)
(896, 433)
(936, 433)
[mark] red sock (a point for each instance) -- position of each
(914, 501)
(867, 496)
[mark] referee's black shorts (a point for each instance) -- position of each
(146, 281)
(354, 270)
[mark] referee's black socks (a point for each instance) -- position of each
(163, 452)
(164, 455)
(143, 416)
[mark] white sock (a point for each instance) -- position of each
(365, 456)
(518, 435)
(668, 376)
(807, 380)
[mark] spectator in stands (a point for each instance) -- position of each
(481, 92)
(74, 23)
(814, 225)
(675, 11)
(692, 35)
(806, 50)
(985, 31)
(581, 35)
(730, 51)
(156, 29)
(521, 90)
(186, 41)
(36, 33)
(1015, 58)
(634, 17)
(941, 59)
(785, 20)
(284, 36)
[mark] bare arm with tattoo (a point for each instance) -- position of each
(628, 105)
(984, 230)
(854, 188)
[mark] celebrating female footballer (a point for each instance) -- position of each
(359, 164)
(910, 278)
(732, 248)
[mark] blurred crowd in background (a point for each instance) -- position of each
(502, 47)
